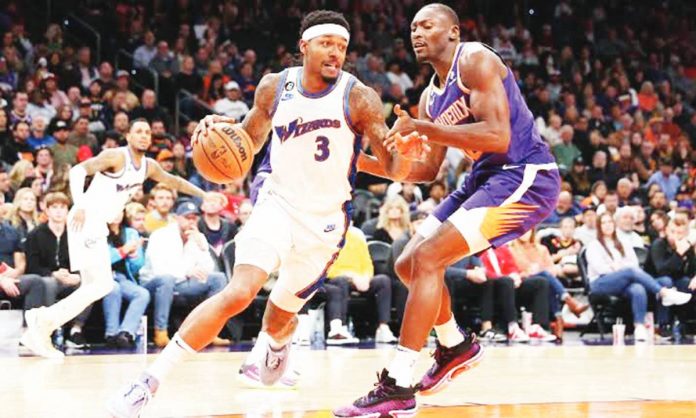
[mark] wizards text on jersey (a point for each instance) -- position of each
(298, 128)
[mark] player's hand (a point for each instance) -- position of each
(413, 147)
(196, 236)
(404, 123)
(9, 287)
(692, 284)
(78, 220)
(206, 124)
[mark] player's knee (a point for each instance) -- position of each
(423, 262)
(402, 267)
(237, 297)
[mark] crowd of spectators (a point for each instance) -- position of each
(612, 86)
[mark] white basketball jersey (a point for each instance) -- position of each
(108, 193)
(314, 148)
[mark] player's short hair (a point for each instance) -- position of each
(319, 17)
(136, 120)
(55, 198)
(446, 11)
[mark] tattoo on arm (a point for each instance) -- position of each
(257, 122)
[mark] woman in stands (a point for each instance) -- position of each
(24, 216)
(613, 270)
(394, 220)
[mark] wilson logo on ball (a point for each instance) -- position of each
(237, 141)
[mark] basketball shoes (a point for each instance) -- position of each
(37, 336)
(449, 363)
(274, 364)
(132, 399)
(386, 400)
(249, 376)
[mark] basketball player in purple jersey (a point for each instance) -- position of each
(473, 104)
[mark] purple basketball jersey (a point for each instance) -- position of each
(450, 106)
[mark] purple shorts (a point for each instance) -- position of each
(492, 208)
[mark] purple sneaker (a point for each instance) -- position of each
(387, 400)
(449, 363)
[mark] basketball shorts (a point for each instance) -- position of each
(491, 209)
(88, 247)
(298, 245)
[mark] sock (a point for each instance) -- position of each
(275, 345)
(174, 353)
(448, 333)
(259, 349)
(402, 365)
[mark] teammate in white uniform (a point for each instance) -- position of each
(317, 115)
(117, 174)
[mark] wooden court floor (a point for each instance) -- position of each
(521, 381)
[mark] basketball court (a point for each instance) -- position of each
(513, 381)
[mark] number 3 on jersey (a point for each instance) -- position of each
(322, 153)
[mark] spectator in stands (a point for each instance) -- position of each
(164, 62)
(611, 203)
(565, 208)
(149, 109)
(232, 104)
(25, 215)
(673, 256)
(658, 201)
(533, 260)
(145, 52)
(20, 101)
(552, 132)
(85, 70)
(47, 256)
(613, 269)
(217, 231)
(646, 163)
(178, 260)
(165, 159)
(134, 214)
(564, 248)
(63, 152)
(121, 123)
(353, 270)
(247, 82)
(397, 76)
(625, 221)
(183, 166)
(577, 178)
(21, 170)
(5, 185)
(18, 148)
(188, 79)
(56, 97)
(602, 170)
(624, 190)
(80, 135)
(658, 224)
(39, 138)
(394, 220)
(244, 212)
(40, 106)
(161, 215)
(668, 181)
(532, 293)
(566, 151)
(374, 75)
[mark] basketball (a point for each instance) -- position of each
(225, 155)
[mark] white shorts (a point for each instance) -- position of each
(88, 247)
(301, 246)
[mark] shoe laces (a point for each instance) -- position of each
(381, 388)
(441, 354)
(138, 395)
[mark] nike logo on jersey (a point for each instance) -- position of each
(510, 167)
(297, 128)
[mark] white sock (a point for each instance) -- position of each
(402, 365)
(174, 353)
(448, 333)
(259, 349)
(275, 345)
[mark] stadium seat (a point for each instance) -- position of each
(381, 254)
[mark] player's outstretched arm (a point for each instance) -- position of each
(421, 171)
(480, 71)
(156, 173)
(257, 122)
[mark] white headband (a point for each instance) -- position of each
(325, 29)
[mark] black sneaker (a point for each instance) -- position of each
(125, 340)
(76, 340)
(111, 341)
(450, 363)
(385, 400)
(664, 333)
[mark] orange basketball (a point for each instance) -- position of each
(225, 154)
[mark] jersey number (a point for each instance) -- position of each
(322, 153)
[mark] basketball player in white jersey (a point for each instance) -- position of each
(317, 115)
(118, 173)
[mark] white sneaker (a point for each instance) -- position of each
(304, 331)
(384, 335)
(130, 401)
(37, 337)
(341, 337)
(249, 376)
(674, 297)
(536, 332)
(640, 333)
(518, 335)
